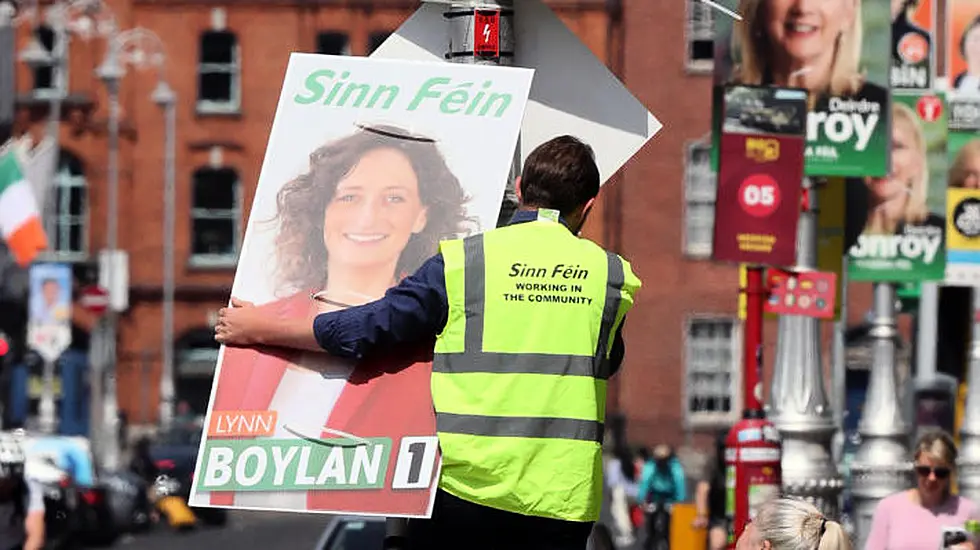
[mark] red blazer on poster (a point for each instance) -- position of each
(384, 397)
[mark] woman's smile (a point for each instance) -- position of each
(365, 238)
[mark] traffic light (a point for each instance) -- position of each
(4, 345)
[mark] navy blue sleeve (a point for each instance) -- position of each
(416, 309)
(618, 351)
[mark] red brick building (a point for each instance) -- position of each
(226, 62)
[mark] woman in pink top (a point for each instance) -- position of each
(914, 519)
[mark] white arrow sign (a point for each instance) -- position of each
(572, 93)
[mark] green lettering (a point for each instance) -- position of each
(313, 86)
(426, 92)
(504, 99)
(392, 92)
(362, 89)
(453, 99)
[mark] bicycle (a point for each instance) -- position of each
(658, 526)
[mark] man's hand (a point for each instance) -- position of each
(700, 522)
(242, 324)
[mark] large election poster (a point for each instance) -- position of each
(370, 163)
(903, 234)
(838, 51)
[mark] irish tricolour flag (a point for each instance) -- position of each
(20, 222)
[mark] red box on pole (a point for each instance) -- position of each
(486, 33)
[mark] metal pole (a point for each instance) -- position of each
(881, 465)
(167, 371)
(927, 334)
(59, 54)
(46, 406)
(839, 378)
(969, 461)
(755, 291)
(800, 409)
(468, 44)
(8, 71)
(110, 399)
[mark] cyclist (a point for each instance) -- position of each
(21, 500)
(662, 484)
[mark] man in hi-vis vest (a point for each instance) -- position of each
(527, 321)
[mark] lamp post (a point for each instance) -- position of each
(82, 17)
(125, 48)
(164, 96)
(65, 18)
(800, 408)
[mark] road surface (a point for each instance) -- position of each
(245, 531)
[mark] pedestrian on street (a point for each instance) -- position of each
(21, 499)
(527, 322)
(662, 485)
(710, 499)
(792, 524)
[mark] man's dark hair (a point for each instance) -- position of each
(560, 174)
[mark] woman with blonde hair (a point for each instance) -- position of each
(791, 524)
(812, 45)
(915, 518)
(965, 171)
(899, 198)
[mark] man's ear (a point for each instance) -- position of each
(517, 188)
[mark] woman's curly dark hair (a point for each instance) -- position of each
(301, 203)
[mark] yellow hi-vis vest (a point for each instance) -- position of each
(520, 369)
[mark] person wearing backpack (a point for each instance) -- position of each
(662, 484)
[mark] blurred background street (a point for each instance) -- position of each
(245, 531)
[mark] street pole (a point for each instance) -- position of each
(480, 33)
(839, 367)
(969, 461)
(881, 465)
(165, 98)
(927, 334)
(800, 409)
(111, 72)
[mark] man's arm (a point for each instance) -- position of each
(414, 310)
(618, 351)
(34, 522)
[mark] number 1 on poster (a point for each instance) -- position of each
(415, 462)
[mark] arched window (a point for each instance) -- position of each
(67, 203)
(215, 216)
(219, 67)
(699, 199)
(333, 43)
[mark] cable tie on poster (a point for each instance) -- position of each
(390, 131)
(723, 9)
(358, 441)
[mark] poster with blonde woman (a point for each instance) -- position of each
(370, 163)
(963, 210)
(838, 50)
(904, 232)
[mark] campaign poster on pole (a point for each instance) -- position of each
(843, 62)
(963, 47)
(963, 248)
(963, 237)
(903, 234)
(761, 175)
(913, 44)
(49, 305)
(370, 164)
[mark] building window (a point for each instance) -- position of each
(712, 370)
(215, 216)
(376, 40)
(44, 76)
(219, 83)
(67, 201)
(700, 36)
(700, 189)
(332, 43)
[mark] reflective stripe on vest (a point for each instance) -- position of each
(501, 446)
